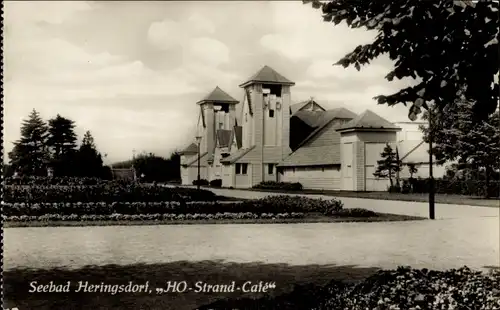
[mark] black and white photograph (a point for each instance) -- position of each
(242, 155)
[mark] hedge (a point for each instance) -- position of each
(287, 186)
(457, 187)
(110, 192)
(62, 181)
(271, 204)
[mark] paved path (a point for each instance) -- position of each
(462, 235)
(442, 211)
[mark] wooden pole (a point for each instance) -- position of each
(431, 176)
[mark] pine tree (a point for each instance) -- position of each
(388, 166)
(30, 153)
(89, 159)
(62, 142)
(418, 36)
(458, 137)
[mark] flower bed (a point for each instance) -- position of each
(62, 181)
(270, 204)
(404, 288)
(287, 186)
(151, 217)
(109, 192)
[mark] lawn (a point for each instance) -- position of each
(285, 277)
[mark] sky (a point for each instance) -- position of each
(132, 72)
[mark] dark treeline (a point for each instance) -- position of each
(150, 167)
(52, 145)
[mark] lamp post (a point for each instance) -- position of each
(431, 176)
(198, 140)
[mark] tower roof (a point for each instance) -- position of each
(218, 95)
(369, 120)
(269, 76)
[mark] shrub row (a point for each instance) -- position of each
(151, 217)
(404, 288)
(63, 181)
(202, 182)
(103, 193)
(270, 204)
(450, 186)
(287, 186)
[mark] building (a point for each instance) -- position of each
(274, 140)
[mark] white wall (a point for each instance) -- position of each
(321, 178)
(244, 180)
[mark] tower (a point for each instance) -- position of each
(217, 112)
(266, 118)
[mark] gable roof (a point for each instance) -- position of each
(203, 160)
(296, 107)
(224, 137)
(325, 118)
(267, 75)
(191, 149)
(369, 120)
(237, 155)
(218, 95)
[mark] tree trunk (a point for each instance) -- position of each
(487, 182)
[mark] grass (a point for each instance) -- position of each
(310, 218)
(285, 277)
(439, 198)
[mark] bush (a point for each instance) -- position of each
(216, 183)
(394, 189)
(356, 212)
(287, 186)
(109, 192)
(271, 204)
(203, 182)
(404, 288)
(456, 186)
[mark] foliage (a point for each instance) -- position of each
(67, 181)
(412, 169)
(150, 217)
(457, 137)
(155, 168)
(62, 143)
(457, 186)
(268, 205)
(418, 36)
(216, 183)
(389, 165)
(30, 154)
(107, 192)
(203, 182)
(403, 288)
(90, 162)
(287, 186)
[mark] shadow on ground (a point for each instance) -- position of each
(17, 283)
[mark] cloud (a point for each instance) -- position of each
(300, 33)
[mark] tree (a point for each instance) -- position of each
(472, 144)
(388, 166)
(412, 169)
(30, 154)
(90, 162)
(419, 36)
(62, 142)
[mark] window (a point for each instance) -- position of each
(238, 168)
(221, 125)
(271, 113)
(244, 168)
(224, 155)
(246, 117)
(270, 169)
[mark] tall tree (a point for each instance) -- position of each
(419, 36)
(62, 142)
(389, 165)
(472, 144)
(89, 159)
(30, 154)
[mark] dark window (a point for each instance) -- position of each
(224, 155)
(238, 168)
(270, 169)
(271, 113)
(221, 125)
(244, 168)
(274, 89)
